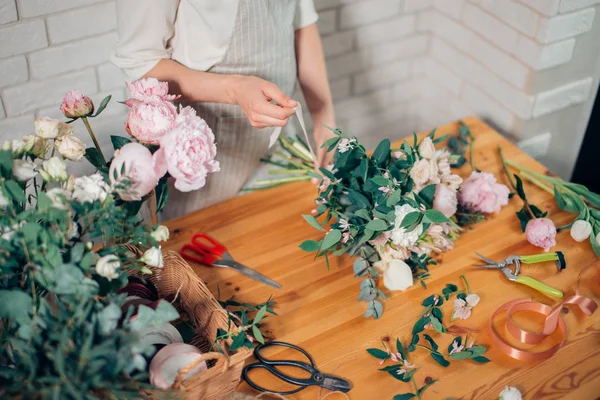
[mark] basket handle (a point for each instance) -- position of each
(203, 357)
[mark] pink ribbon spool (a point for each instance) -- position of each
(167, 363)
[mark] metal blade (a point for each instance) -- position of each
(492, 266)
(487, 260)
(249, 272)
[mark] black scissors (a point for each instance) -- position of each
(317, 378)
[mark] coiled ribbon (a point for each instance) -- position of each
(552, 322)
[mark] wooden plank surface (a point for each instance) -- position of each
(318, 309)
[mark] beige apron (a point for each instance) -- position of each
(262, 45)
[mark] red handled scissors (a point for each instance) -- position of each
(206, 250)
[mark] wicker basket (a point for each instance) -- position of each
(177, 280)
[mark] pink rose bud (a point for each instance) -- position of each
(190, 151)
(132, 173)
(76, 105)
(481, 193)
(541, 232)
(445, 200)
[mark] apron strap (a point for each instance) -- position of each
(277, 132)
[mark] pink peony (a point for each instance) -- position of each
(190, 151)
(132, 174)
(445, 200)
(76, 105)
(481, 193)
(149, 122)
(541, 232)
(150, 89)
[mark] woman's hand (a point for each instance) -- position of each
(324, 158)
(254, 96)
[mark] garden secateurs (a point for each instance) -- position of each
(514, 276)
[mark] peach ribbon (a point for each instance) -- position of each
(553, 321)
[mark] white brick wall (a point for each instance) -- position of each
(394, 65)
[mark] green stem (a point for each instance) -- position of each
(512, 183)
(466, 284)
(426, 348)
(412, 379)
(287, 172)
(471, 160)
(283, 180)
(537, 182)
(91, 132)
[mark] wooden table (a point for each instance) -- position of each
(318, 309)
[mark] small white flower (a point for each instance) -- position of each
(3, 200)
(510, 393)
(90, 188)
(70, 147)
(54, 169)
(47, 128)
(427, 148)
(8, 232)
(24, 170)
(345, 144)
(456, 348)
(462, 308)
(160, 234)
(153, 257)
(343, 224)
(107, 266)
(384, 189)
(400, 236)
(581, 230)
(420, 172)
(397, 275)
(60, 198)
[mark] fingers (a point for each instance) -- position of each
(273, 93)
(263, 121)
(275, 111)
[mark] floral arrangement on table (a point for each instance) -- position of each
(63, 332)
(396, 208)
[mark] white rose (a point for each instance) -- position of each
(17, 147)
(452, 181)
(35, 145)
(64, 130)
(24, 170)
(153, 257)
(107, 266)
(400, 236)
(160, 234)
(69, 185)
(90, 188)
(47, 128)
(427, 148)
(397, 275)
(54, 169)
(70, 147)
(510, 393)
(581, 230)
(420, 172)
(60, 198)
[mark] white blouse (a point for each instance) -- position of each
(195, 33)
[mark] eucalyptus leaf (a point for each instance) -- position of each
(15, 304)
(461, 355)
(313, 222)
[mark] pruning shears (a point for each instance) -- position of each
(558, 257)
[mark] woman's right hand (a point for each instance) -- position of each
(254, 96)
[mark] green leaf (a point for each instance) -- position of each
(422, 389)
(377, 309)
(331, 239)
(400, 349)
(437, 325)
(432, 342)
(436, 216)
(331, 143)
(440, 359)
(478, 350)
(257, 334)
(380, 180)
(481, 359)
(437, 312)
(412, 218)
(95, 157)
(360, 267)
(313, 222)
(15, 191)
(310, 246)
(378, 353)
(162, 194)
(595, 244)
(461, 355)
(359, 200)
(119, 141)
(377, 225)
(363, 168)
(427, 194)
(362, 213)
(382, 152)
(238, 341)
(103, 105)
(108, 319)
(6, 163)
(428, 301)
(405, 396)
(519, 188)
(15, 304)
(420, 325)
(394, 198)
(260, 314)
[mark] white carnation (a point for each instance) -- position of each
(54, 169)
(60, 198)
(400, 236)
(90, 188)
